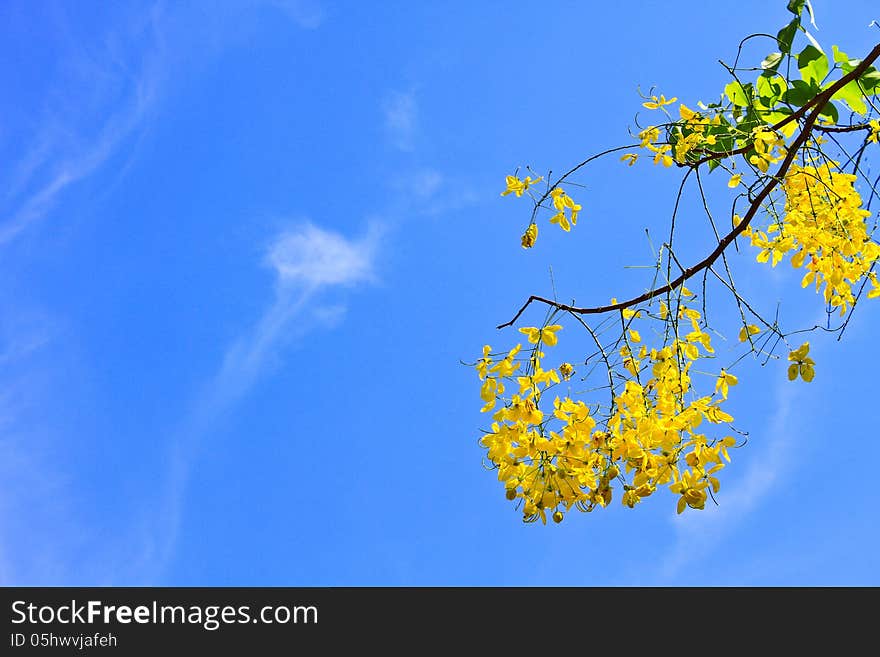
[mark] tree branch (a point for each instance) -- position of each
(817, 103)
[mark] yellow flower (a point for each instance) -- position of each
(760, 162)
(507, 367)
(734, 180)
(687, 113)
(547, 334)
(560, 219)
(725, 379)
(748, 330)
(716, 415)
(517, 186)
(661, 156)
(648, 135)
(802, 364)
(484, 362)
(875, 131)
(563, 202)
(656, 103)
(631, 498)
(488, 389)
(566, 370)
(489, 392)
(530, 236)
(630, 158)
(692, 491)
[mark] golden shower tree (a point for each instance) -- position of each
(790, 135)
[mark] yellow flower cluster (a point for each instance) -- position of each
(648, 138)
(691, 132)
(687, 134)
(824, 226)
(529, 237)
(566, 209)
(563, 202)
(801, 364)
(574, 454)
(696, 134)
(769, 148)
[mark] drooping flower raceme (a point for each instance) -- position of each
(565, 208)
(554, 452)
(824, 228)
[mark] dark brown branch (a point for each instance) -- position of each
(843, 128)
(817, 103)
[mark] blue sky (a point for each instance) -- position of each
(245, 247)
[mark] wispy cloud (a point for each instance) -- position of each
(698, 533)
(107, 92)
(306, 261)
(112, 87)
(104, 93)
(423, 192)
(401, 119)
(425, 183)
(36, 520)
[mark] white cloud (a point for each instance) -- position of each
(307, 260)
(312, 257)
(401, 119)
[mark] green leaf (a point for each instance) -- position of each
(786, 35)
(870, 81)
(776, 116)
(830, 111)
(771, 61)
(846, 64)
(813, 65)
(795, 6)
(749, 122)
(800, 93)
(725, 144)
(773, 118)
(770, 89)
(713, 164)
(739, 94)
(852, 96)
